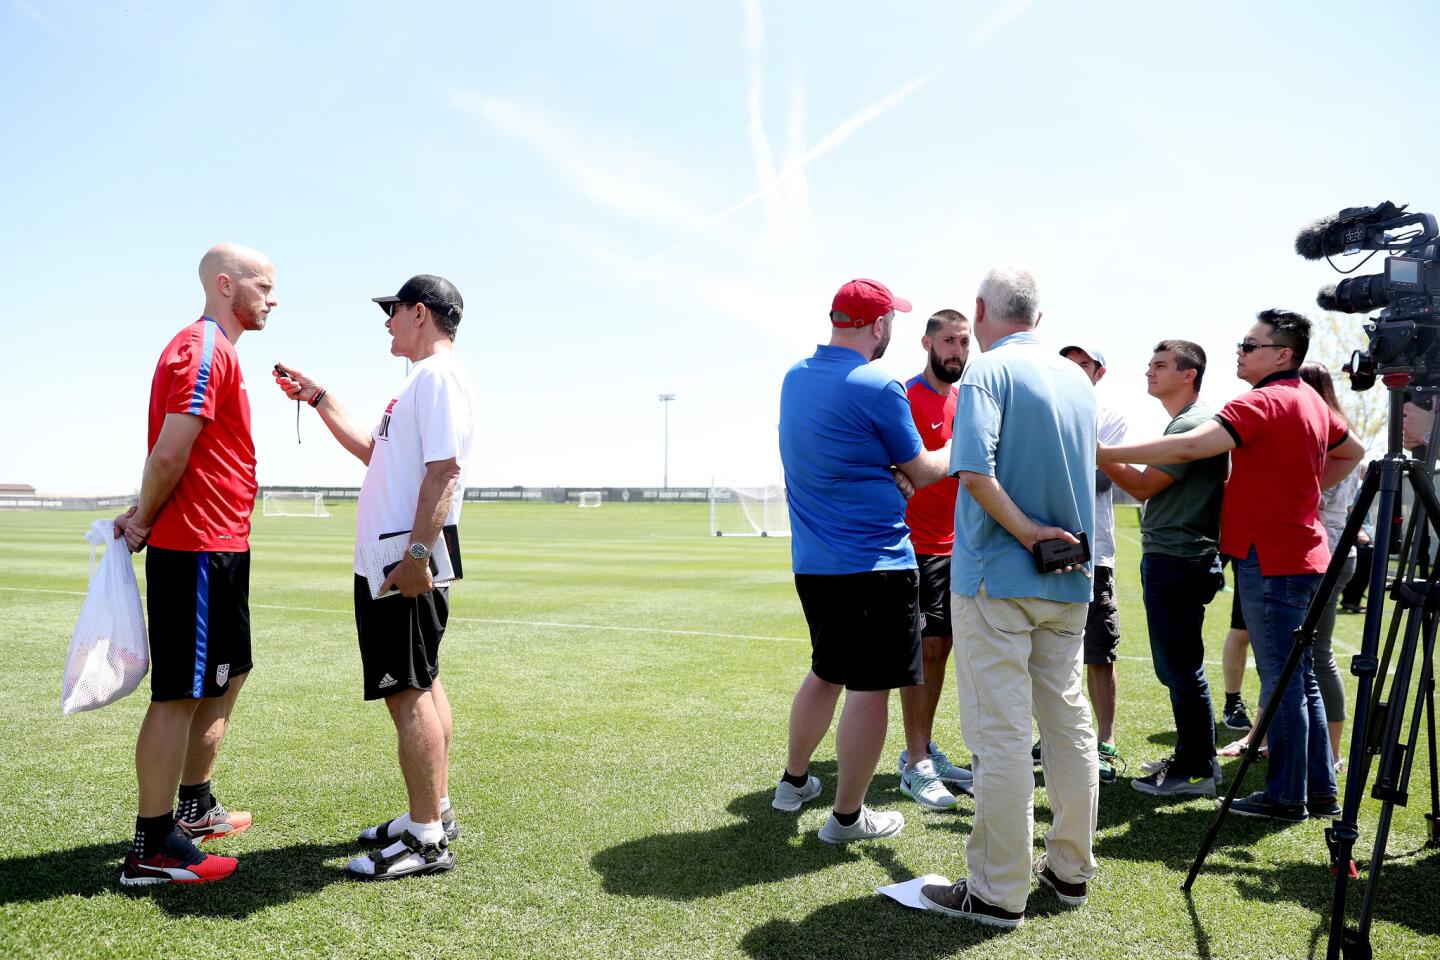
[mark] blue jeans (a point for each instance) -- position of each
(1176, 590)
(1300, 763)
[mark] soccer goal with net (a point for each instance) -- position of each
(293, 503)
(590, 498)
(749, 511)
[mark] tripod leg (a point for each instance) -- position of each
(1252, 751)
(1382, 477)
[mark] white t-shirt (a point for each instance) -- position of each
(1110, 428)
(432, 418)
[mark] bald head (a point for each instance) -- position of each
(232, 260)
(239, 287)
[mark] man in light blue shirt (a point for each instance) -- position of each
(843, 426)
(1024, 449)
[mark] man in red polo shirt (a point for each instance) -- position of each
(1285, 445)
(196, 497)
(925, 770)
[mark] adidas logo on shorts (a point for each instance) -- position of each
(385, 681)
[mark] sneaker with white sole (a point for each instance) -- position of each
(1165, 782)
(957, 900)
(922, 784)
(790, 798)
(949, 772)
(177, 861)
(868, 826)
(215, 823)
(1070, 894)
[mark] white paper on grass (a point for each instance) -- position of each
(908, 892)
(109, 654)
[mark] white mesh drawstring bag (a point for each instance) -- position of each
(109, 654)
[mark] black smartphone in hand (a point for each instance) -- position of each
(1052, 555)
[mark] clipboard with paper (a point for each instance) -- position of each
(385, 553)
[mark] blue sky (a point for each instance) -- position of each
(637, 198)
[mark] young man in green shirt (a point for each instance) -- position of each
(1179, 569)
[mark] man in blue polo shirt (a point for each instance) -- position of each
(1024, 450)
(844, 426)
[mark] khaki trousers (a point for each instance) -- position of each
(1016, 658)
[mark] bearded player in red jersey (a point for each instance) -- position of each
(926, 774)
(196, 497)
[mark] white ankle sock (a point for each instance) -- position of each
(444, 804)
(428, 832)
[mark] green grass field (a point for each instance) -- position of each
(621, 683)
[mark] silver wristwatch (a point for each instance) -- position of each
(418, 551)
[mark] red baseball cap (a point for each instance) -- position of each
(865, 301)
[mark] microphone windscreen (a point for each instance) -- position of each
(1316, 241)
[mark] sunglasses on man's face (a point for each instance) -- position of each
(390, 308)
(1250, 346)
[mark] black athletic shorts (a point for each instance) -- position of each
(399, 639)
(864, 628)
(934, 595)
(1102, 620)
(199, 606)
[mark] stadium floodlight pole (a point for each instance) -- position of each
(665, 399)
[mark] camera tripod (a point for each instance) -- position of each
(1380, 729)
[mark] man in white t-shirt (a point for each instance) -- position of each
(1102, 624)
(416, 458)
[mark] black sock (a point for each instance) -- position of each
(150, 833)
(195, 800)
(795, 781)
(846, 819)
(1231, 699)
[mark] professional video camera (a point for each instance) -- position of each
(1405, 338)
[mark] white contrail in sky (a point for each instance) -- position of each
(769, 189)
(830, 141)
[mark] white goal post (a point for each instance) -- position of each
(589, 498)
(293, 503)
(749, 511)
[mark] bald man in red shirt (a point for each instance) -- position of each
(196, 497)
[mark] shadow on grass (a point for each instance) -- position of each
(766, 846)
(875, 926)
(264, 878)
(1171, 834)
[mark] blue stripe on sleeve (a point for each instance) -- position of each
(202, 620)
(202, 376)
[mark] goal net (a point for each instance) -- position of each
(757, 511)
(293, 503)
(590, 498)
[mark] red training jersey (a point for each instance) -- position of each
(1282, 431)
(930, 514)
(209, 510)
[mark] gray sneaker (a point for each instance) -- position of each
(950, 773)
(870, 825)
(947, 771)
(1165, 783)
(922, 784)
(790, 798)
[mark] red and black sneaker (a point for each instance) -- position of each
(217, 822)
(178, 861)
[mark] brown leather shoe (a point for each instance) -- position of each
(957, 901)
(1070, 894)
